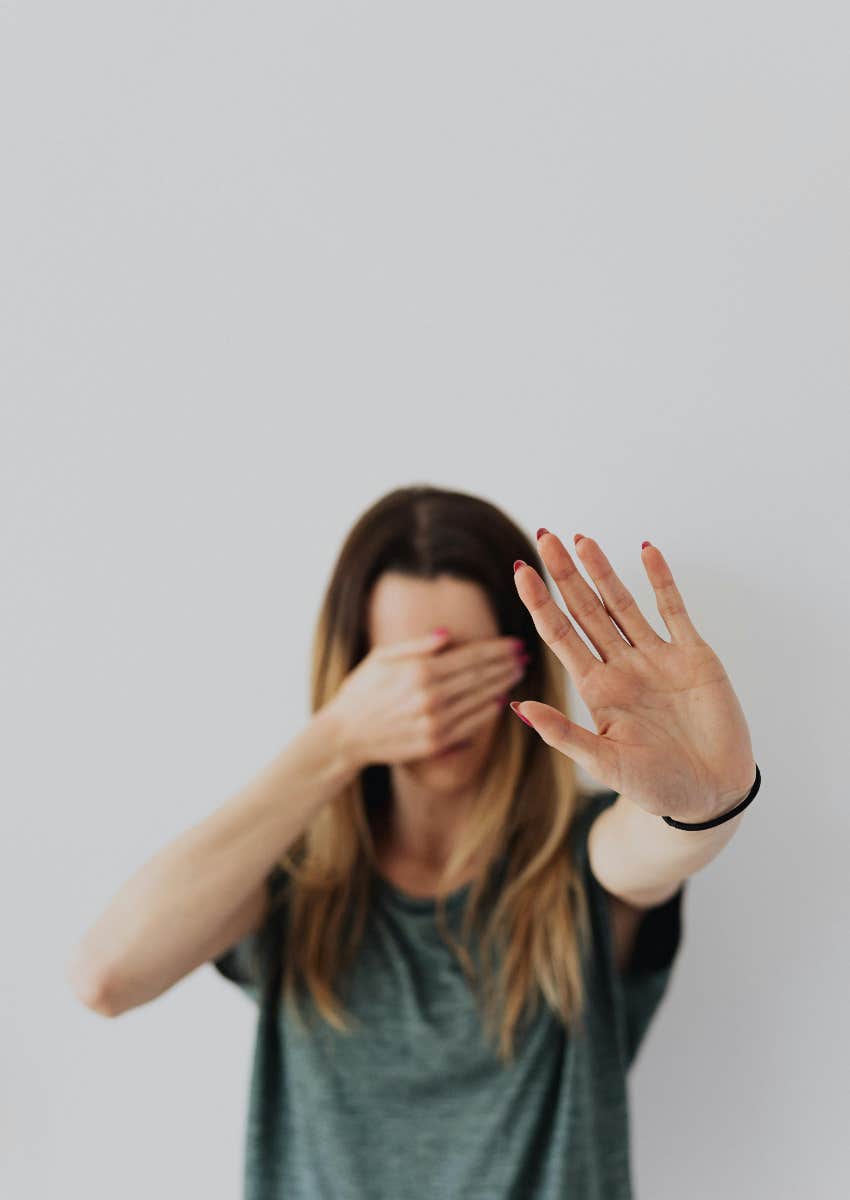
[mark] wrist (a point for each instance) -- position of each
(335, 733)
(728, 801)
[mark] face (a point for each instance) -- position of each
(401, 608)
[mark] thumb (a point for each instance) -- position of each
(587, 749)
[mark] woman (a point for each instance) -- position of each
(451, 980)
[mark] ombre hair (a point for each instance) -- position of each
(534, 928)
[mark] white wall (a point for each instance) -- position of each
(262, 263)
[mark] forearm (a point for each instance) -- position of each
(163, 921)
(641, 858)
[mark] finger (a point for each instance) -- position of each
(479, 654)
(419, 645)
(588, 749)
(671, 606)
(441, 640)
(618, 600)
(476, 690)
(582, 601)
(470, 722)
(553, 625)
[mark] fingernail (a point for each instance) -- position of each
(541, 531)
(577, 538)
(644, 545)
(438, 632)
(518, 562)
(515, 706)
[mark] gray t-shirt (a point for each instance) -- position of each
(416, 1105)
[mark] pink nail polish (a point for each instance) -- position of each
(577, 538)
(514, 704)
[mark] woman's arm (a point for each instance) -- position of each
(206, 888)
(638, 857)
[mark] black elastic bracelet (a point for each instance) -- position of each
(727, 816)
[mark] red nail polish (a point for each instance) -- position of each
(518, 562)
(541, 531)
(514, 704)
(644, 545)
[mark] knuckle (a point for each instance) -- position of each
(430, 703)
(432, 734)
(561, 632)
(585, 608)
(421, 674)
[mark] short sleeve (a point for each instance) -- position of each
(639, 990)
(247, 963)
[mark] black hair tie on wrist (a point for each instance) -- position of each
(727, 816)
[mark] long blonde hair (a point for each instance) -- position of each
(533, 937)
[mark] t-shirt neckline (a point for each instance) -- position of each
(423, 904)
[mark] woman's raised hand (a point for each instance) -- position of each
(670, 732)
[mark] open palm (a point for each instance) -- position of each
(671, 734)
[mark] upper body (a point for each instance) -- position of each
(414, 1102)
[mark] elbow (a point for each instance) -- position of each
(93, 989)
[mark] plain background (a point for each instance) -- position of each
(262, 263)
